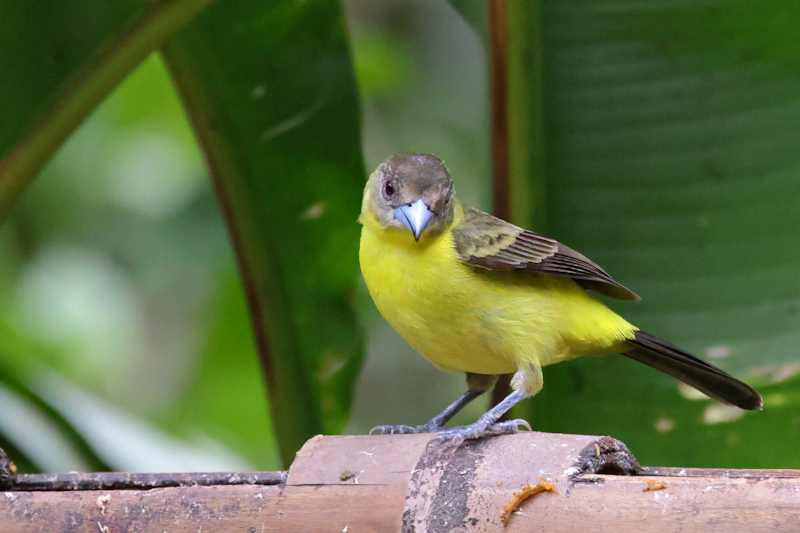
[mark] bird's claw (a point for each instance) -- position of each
(477, 430)
(509, 426)
(405, 430)
(455, 435)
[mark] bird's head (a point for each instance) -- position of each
(411, 192)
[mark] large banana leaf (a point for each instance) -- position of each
(270, 91)
(661, 139)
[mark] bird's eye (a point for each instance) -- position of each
(388, 189)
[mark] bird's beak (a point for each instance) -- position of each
(414, 216)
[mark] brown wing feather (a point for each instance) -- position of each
(489, 242)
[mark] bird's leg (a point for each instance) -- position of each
(526, 383)
(478, 384)
(487, 423)
(434, 424)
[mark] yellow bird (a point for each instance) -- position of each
(475, 294)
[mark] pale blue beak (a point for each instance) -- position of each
(414, 216)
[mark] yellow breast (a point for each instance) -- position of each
(423, 291)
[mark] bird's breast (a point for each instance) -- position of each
(431, 298)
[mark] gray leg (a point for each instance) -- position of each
(478, 384)
(526, 382)
(487, 423)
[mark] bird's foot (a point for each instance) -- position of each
(430, 427)
(480, 429)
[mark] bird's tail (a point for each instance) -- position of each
(682, 365)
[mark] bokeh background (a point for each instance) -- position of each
(120, 289)
(121, 302)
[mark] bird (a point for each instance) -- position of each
(473, 293)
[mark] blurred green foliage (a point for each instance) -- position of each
(659, 139)
(120, 277)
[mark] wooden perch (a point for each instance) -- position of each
(386, 483)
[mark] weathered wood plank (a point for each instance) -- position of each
(402, 483)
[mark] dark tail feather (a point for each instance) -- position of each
(704, 377)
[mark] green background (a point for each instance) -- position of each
(660, 139)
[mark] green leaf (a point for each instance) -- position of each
(270, 91)
(660, 139)
(59, 62)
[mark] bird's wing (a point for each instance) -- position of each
(489, 242)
